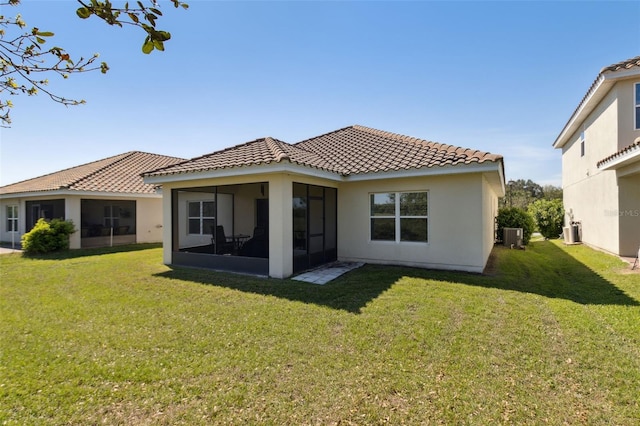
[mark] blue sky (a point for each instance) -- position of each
(502, 77)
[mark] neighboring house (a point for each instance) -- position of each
(107, 201)
(601, 161)
(355, 194)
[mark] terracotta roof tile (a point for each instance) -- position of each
(120, 173)
(351, 150)
(624, 65)
(260, 151)
(358, 149)
(633, 147)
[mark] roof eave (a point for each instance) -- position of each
(596, 93)
(67, 192)
(254, 169)
(622, 160)
(484, 167)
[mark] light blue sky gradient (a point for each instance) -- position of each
(502, 77)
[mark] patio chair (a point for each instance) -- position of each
(258, 245)
(219, 241)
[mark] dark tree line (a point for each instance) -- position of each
(521, 193)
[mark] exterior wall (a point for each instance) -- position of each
(280, 226)
(598, 198)
(629, 215)
(148, 216)
(280, 214)
(6, 237)
(624, 90)
(601, 140)
(72, 212)
(149, 220)
(594, 203)
(12, 237)
(489, 212)
(590, 195)
(245, 208)
(458, 223)
(461, 220)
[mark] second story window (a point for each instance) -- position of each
(582, 144)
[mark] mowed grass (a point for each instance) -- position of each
(550, 335)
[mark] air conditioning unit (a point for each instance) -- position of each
(569, 235)
(512, 237)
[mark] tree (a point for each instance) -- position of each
(552, 192)
(515, 217)
(520, 193)
(549, 216)
(25, 61)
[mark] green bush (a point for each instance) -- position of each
(47, 236)
(549, 217)
(515, 217)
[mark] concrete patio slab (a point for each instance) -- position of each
(325, 273)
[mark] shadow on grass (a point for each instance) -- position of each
(547, 270)
(543, 269)
(350, 293)
(98, 251)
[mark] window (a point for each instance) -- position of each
(201, 217)
(582, 144)
(637, 105)
(12, 218)
(399, 216)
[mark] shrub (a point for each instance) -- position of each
(515, 217)
(47, 236)
(549, 217)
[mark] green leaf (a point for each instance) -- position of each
(147, 47)
(134, 17)
(162, 35)
(156, 11)
(83, 12)
(40, 40)
(44, 33)
(158, 45)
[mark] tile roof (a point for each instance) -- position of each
(118, 174)
(351, 150)
(595, 86)
(358, 149)
(624, 65)
(260, 151)
(635, 146)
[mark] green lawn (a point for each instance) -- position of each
(552, 335)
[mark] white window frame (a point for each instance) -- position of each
(583, 147)
(397, 217)
(12, 218)
(636, 105)
(200, 216)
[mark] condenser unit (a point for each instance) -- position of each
(569, 235)
(512, 237)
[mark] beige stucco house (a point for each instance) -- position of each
(355, 194)
(107, 201)
(601, 161)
